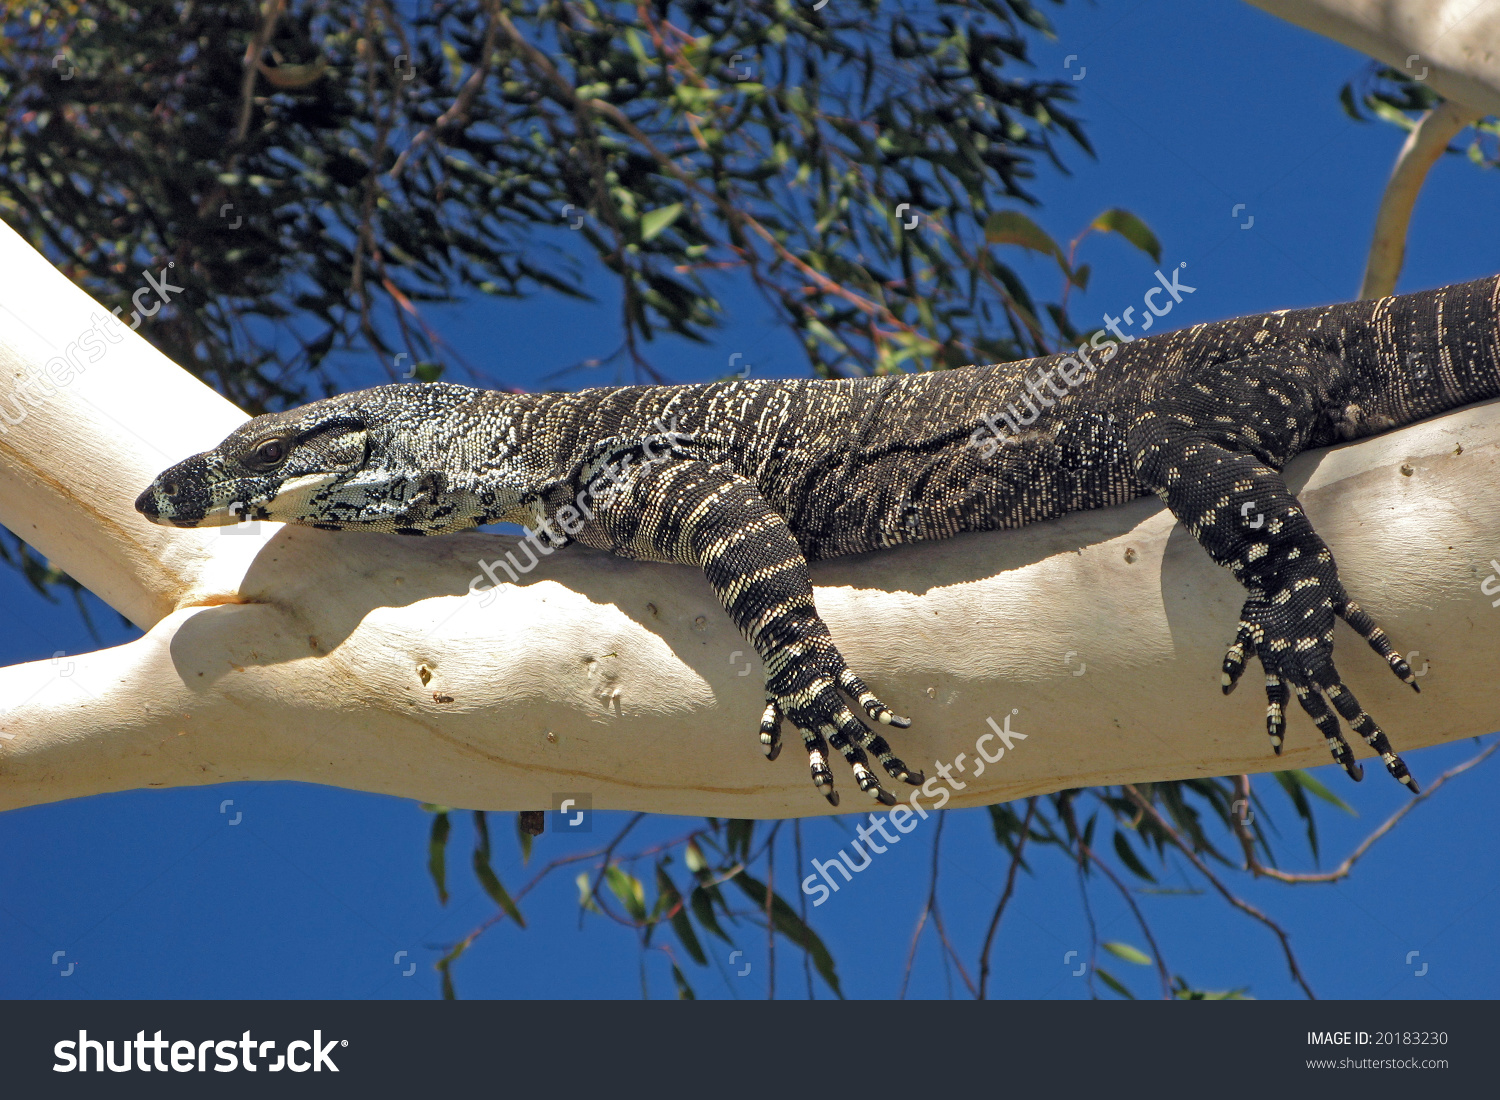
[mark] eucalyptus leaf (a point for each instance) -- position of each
(1126, 952)
(1131, 228)
(657, 221)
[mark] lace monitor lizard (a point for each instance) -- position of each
(750, 480)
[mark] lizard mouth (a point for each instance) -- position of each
(183, 502)
(164, 502)
(145, 504)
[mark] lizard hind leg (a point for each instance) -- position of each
(1328, 725)
(852, 737)
(1239, 651)
(1209, 445)
(1248, 643)
(816, 745)
(1292, 639)
(1304, 663)
(860, 764)
(823, 711)
(804, 678)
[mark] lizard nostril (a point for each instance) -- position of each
(169, 488)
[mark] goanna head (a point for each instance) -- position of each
(419, 458)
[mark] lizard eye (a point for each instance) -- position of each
(269, 453)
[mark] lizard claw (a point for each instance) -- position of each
(1234, 662)
(770, 729)
(1293, 638)
(805, 687)
(1402, 669)
(1360, 620)
(877, 710)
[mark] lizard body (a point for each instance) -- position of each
(749, 480)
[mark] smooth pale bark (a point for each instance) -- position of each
(1452, 46)
(1427, 141)
(363, 661)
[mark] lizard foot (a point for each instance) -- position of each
(1292, 635)
(805, 689)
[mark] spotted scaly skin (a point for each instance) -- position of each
(750, 480)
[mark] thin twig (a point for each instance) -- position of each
(458, 110)
(1254, 865)
(802, 906)
(1010, 886)
(364, 236)
(560, 861)
(603, 867)
(1088, 913)
(1243, 906)
(911, 953)
(1064, 807)
(1240, 825)
(1156, 954)
(253, 54)
(931, 907)
(770, 922)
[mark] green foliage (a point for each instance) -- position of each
(672, 902)
(792, 927)
(1393, 96)
(378, 165)
(1131, 228)
(486, 874)
(1126, 952)
(1191, 814)
(437, 853)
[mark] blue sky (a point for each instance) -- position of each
(1194, 109)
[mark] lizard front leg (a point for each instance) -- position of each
(693, 511)
(1208, 458)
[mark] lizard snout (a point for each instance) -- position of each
(176, 497)
(145, 504)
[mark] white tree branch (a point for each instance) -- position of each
(361, 660)
(1456, 43)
